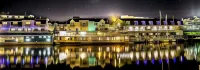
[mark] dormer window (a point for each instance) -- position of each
(150, 22)
(158, 22)
(165, 22)
(143, 22)
(72, 23)
(135, 22)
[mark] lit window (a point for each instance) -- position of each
(44, 36)
(28, 40)
(21, 16)
(150, 33)
(9, 16)
(148, 27)
(143, 22)
(49, 36)
(179, 22)
(150, 22)
(16, 16)
(130, 28)
(38, 23)
(28, 22)
(12, 29)
(158, 22)
(19, 29)
(172, 22)
(83, 33)
(136, 22)
(48, 40)
(29, 29)
(4, 23)
(39, 29)
(32, 36)
(40, 36)
(165, 22)
(170, 27)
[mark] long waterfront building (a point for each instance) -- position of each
(26, 29)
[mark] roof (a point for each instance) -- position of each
(147, 21)
(89, 19)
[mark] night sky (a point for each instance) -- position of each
(64, 9)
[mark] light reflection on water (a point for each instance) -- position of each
(90, 55)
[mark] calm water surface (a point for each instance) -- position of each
(91, 55)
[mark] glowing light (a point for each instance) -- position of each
(181, 58)
(31, 60)
(17, 40)
(83, 55)
(46, 60)
(130, 28)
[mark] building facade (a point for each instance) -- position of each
(26, 30)
(192, 28)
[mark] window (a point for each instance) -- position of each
(38, 23)
(165, 22)
(28, 22)
(136, 22)
(158, 22)
(127, 22)
(44, 36)
(83, 24)
(49, 36)
(40, 36)
(4, 23)
(12, 29)
(32, 36)
(143, 22)
(150, 22)
(16, 16)
(21, 16)
(19, 29)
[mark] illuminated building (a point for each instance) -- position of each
(192, 27)
(86, 30)
(26, 30)
(149, 29)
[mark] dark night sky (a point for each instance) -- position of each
(64, 9)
